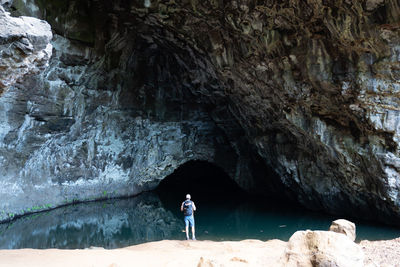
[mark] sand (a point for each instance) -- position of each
(186, 253)
(162, 253)
(381, 253)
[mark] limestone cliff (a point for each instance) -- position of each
(302, 93)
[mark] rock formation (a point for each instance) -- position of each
(325, 248)
(299, 98)
(322, 248)
(25, 47)
(68, 140)
(344, 227)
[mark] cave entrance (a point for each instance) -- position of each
(206, 182)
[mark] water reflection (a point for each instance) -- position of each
(120, 223)
(109, 224)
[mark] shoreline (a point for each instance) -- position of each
(248, 252)
(159, 253)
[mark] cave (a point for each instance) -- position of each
(211, 186)
(114, 96)
(255, 108)
(204, 181)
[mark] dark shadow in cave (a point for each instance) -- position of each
(224, 210)
(206, 182)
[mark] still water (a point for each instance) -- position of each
(124, 222)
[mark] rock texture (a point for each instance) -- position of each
(322, 248)
(68, 140)
(25, 47)
(382, 253)
(300, 96)
(344, 227)
(108, 121)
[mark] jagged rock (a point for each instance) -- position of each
(373, 4)
(24, 47)
(344, 227)
(5, 2)
(64, 139)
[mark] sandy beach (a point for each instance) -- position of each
(186, 253)
(162, 253)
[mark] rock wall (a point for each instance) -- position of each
(82, 130)
(305, 90)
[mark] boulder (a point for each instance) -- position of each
(345, 227)
(322, 248)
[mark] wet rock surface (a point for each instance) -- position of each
(302, 97)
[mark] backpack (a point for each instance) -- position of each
(187, 208)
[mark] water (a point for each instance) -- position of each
(124, 222)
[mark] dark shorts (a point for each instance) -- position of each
(189, 221)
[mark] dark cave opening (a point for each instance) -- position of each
(206, 182)
(212, 188)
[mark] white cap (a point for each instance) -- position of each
(188, 196)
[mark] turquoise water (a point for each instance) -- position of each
(124, 222)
